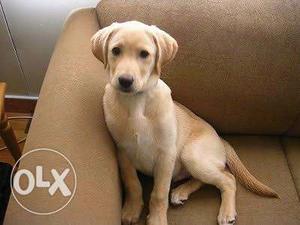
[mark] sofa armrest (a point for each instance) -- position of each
(69, 118)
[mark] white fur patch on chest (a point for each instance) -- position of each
(139, 141)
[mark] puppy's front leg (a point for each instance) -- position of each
(133, 190)
(159, 202)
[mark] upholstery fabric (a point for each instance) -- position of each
(265, 158)
(238, 62)
(237, 67)
(292, 150)
(295, 128)
(69, 118)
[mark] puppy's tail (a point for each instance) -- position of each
(244, 176)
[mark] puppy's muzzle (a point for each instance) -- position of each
(125, 82)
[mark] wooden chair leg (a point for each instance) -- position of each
(9, 137)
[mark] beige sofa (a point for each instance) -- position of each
(238, 67)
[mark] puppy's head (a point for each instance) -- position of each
(133, 54)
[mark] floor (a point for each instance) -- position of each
(19, 126)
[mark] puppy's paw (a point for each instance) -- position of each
(131, 212)
(178, 196)
(227, 217)
(157, 219)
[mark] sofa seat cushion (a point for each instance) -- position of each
(265, 158)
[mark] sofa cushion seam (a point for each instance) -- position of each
(289, 166)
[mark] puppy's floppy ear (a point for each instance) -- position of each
(100, 42)
(166, 47)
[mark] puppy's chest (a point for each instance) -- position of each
(138, 133)
(134, 132)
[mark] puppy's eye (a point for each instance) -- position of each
(116, 51)
(144, 54)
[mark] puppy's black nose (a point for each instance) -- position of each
(125, 81)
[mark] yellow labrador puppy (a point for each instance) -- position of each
(157, 135)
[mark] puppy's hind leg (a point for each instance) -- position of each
(182, 192)
(203, 165)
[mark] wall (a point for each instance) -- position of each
(10, 69)
(34, 27)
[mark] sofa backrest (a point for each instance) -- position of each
(238, 63)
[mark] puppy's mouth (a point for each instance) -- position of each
(126, 90)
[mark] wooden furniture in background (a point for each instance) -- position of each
(16, 105)
(6, 130)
